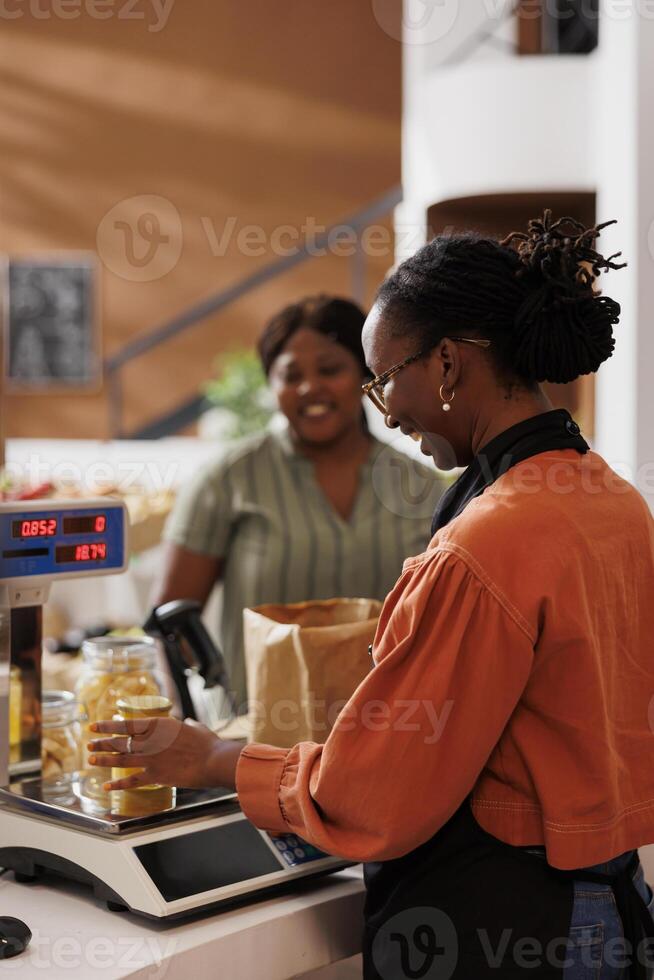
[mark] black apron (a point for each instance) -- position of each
(465, 905)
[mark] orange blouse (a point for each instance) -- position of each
(514, 660)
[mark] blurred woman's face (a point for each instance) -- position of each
(317, 383)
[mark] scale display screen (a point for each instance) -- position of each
(62, 539)
(89, 551)
(85, 524)
(43, 527)
(193, 863)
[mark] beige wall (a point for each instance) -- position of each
(269, 112)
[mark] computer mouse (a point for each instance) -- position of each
(14, 937)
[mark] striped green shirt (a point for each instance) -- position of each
(259, 507)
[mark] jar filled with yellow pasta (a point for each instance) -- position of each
(114, 667)
(60, 743)
(142, 800)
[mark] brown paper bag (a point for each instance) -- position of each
(303, 662)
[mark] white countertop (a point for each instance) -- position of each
(74, 936)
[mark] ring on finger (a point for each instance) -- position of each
(128, 747)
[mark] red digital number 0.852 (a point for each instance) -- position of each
(41, 528)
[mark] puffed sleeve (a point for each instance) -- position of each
(203, 515)
(452, 657)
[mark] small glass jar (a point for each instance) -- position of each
(15, 706)
(114, 667)
(142, 800)
(60, 742)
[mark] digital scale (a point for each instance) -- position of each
(200, 853)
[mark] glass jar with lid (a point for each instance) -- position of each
(114, 667)
(60, 741)
(142, 800)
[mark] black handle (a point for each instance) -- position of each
(182, 618)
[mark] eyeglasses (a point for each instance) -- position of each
(375, 389)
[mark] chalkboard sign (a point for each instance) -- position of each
(51, 329)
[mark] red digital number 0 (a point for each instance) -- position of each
(100, 523)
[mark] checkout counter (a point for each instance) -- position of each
(75, 938)
(144, 915)
(314, 922)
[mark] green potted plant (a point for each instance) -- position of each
(240, 395)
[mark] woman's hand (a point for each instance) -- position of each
(167, 751)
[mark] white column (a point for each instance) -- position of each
(433, 32)
(624, 162)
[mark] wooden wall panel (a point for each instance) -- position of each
(263, 113)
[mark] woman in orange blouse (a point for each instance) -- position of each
(494, 770)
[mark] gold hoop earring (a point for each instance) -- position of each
(446, 401)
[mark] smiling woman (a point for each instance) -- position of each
(313, 357)
(475, 319)
(318, 510)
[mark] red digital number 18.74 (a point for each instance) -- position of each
(91, 552)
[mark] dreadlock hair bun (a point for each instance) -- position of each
(563, 328)
(532, 295)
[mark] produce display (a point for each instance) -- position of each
(147, 508)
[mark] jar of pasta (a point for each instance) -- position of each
(60, 742)
(142, 800)
(114, 667)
